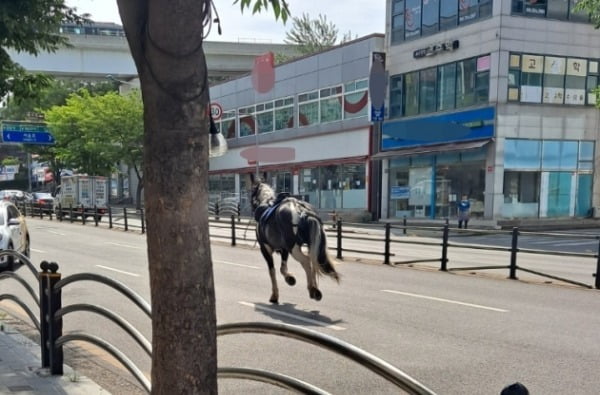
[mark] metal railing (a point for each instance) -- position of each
(52, 339)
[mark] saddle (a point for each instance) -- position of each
(264, 211)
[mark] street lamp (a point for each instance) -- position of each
(218, 144)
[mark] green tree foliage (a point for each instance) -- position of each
(30, 26)
(313, 35)
(593, 8)
(94, 133)
(55, 94)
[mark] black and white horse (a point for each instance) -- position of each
(284, 225)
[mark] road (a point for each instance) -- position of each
(457, 334)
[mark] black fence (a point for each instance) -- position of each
(381, 237)
(48, 300)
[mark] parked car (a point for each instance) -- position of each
(42, 201)
(14, 195)
(13, 234)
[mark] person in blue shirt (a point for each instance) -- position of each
(464, 211)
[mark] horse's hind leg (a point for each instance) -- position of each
(289, 278)
(311, 275)
(267, 253)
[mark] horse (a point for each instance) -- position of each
(284, 225)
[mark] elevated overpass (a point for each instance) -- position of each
(95, 57)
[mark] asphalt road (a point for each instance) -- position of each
(456, 333)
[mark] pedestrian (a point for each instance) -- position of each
(464, 211)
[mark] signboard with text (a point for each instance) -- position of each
(16, 132)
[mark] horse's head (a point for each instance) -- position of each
(260, 194)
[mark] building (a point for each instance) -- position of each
(492, 99)
(309, 134)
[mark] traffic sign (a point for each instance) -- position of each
(216, 111)
(14, 132)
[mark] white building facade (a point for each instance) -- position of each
(309, 135)
(492, 99)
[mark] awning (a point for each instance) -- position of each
(430, 149)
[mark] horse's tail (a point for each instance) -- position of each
(318, 248)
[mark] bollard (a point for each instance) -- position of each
(444, 259)
(143, 220)
(59, 214)
(386, 254)
(239, 212)
(82, 215)
(110, 224)
(404, 225)
(71, 212)
(598, 267)
(96, 215)
(125, 218)
(513, 254)
(50, 328)
(217, 211)
(339, 239)
(233, 230)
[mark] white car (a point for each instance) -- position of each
(13, 234)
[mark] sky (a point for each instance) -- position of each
(360, 17)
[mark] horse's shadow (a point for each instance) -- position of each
(289, 314)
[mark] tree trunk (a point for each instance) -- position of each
(165, 40)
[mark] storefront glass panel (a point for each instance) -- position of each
(331, 187)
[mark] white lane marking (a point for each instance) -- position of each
(124, 245)
(237, 264)
(38, 251)
(56, 233)
(294, 316)
(117, 270)
(477, 306)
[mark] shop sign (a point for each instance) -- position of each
(435, 49)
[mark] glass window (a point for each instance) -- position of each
(485, 8)
(397, 21)
(427, 93)
(411, 96)
(431, 16)
(465, 83)
(228, 124)
(331, 104)
(558, 9)
(532, 67)
(446, 86)
(468, 11)
(355, 104)
(308, 108)
(412, 19)
(354, 186)
(522, 154)
(577, 16)
(592, 84)
(395, 96)
(309, 185)
(247, 122)
(284, 113)
(575, 92)
(559, 155)
(586, 155)
(554, 80)
(448, 14)
(482, 87)
(264, 119)
(522, 187)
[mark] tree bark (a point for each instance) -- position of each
(165, 38)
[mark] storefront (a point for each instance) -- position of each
(432, 162)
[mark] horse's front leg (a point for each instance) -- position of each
(311, 275)
(267, 253)
(289, 278)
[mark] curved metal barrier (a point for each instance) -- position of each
(371, 362)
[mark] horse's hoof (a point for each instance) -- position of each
(290, 280)
(315, 294)
(274, 300)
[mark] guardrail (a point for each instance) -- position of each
(237, 229)
(51, 286)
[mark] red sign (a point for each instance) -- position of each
(263, 73)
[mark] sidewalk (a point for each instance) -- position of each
(21, 372)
